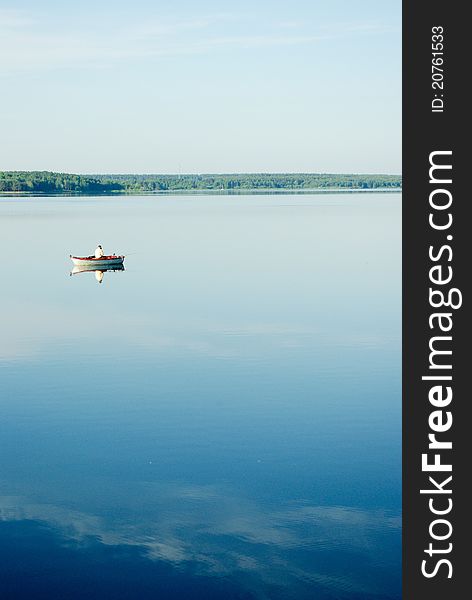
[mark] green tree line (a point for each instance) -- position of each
(51, 183)
(59, 183)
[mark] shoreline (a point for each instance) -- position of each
(212, 192)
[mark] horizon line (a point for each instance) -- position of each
(180, 174)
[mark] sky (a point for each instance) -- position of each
(212, 86)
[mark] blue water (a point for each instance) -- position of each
(219, 420)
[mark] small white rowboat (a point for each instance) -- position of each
(104, 261)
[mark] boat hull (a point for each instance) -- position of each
(104, 261)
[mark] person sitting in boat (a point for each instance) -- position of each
(99, 252)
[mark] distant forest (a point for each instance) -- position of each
(47, 182)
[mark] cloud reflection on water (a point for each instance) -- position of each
(223, 534)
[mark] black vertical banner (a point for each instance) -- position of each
(437, 440)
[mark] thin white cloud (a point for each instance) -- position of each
(29, 45)
(13, 19)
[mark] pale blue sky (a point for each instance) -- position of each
(163, 87)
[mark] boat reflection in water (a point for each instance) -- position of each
(99, 273)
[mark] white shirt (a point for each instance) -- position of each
(99, 252)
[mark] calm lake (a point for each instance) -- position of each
(220, 420)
